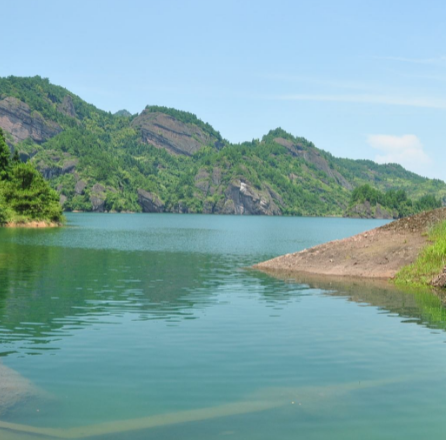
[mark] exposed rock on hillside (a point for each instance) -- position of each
(243, 199)
(55, 164)
(164, 131)
(313, 156)
(97, 198)
(17, 118)
(73, 144)
(80, 187)
(67, 107)
(365, 210)
(202, 182)
(149, 202)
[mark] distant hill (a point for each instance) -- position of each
(123, 113)
(166, 160)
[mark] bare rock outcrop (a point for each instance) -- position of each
(150, 202)
(243, 199)
(440, 280)
(67, 107)
(17, 118)
(202, 182)
(164, 131)
(79, 189)
(69, 166)
(54, 166)
(97, 198)
(365, 210)
(314, 157)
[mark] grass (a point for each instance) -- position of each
(8, 215)
(429, 264)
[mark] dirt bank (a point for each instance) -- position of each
(379, 253)
(33, 224)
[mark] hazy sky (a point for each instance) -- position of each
(361, 79)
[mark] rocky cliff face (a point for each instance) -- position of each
(164, 131)
(67, 107)
(54, 163)
(17, 118)
(149, 202)
(97, 198)
(237, 198)
(243, 199)
(101, 163)
(313, 156)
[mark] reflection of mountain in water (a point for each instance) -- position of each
(420, 306)
(48, 290)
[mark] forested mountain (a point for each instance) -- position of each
(166, 160)
(368, 202)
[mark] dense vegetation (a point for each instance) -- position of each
(430, 263)
(24, 194)
(393, 201)
(101, 159)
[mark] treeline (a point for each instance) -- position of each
(112, 162)
(24, 194)
(395, 201)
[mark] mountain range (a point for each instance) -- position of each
(166, 160)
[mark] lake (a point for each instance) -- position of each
(140, 326)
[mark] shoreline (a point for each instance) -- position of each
(34, 224)
(376, 254)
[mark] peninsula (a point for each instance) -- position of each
(379, 253)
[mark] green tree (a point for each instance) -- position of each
(16, 158)
(29, 195)
(5, 166)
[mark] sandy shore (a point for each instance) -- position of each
(33, 224)
(379, 253)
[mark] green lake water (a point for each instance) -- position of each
(151, 327)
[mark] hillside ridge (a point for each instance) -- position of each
(167, 160)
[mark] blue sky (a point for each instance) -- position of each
(360, 79)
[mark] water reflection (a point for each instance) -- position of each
(416, 305)
(49, 291)
(142, 332)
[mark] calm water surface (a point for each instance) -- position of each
(153, 322)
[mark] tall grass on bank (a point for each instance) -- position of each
(430, 262)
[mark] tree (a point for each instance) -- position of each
(5, 154)
(28, 194)
(15, 158)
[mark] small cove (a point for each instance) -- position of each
(123, 317)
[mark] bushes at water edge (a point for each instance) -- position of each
(24, 194)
